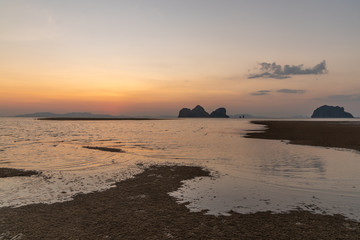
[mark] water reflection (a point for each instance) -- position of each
(252, 174)
(292, 165)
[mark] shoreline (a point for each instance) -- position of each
(141, 207)
(338, 134)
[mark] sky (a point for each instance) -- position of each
(154, 57)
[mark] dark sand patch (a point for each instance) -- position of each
(316, 133)
(12, 172)
(140, 208)
(106, 149)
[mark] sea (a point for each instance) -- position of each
(247, 175)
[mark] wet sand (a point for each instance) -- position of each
(105, 149)
(140, 208)
(12, 172)
(316, 133)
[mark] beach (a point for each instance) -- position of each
(140, 208)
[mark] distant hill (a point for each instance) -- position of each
(67, 115)
(84, 115)
(246, 116)
(299, 116)
(267, 117)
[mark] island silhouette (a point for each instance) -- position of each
(326, 111)
(199, 112)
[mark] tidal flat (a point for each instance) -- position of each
(338, 134)
(185, 179)
(141, 208)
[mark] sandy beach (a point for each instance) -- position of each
(140, 208)
(315, 133)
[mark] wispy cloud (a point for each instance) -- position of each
(261, 92)
(273, 70)
(284, 90)
(294, 91)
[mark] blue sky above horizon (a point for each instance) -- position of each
(273, 58)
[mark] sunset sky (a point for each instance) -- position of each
(272, 58)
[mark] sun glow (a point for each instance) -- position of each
(115, 56)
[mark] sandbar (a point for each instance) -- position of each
(335, 134)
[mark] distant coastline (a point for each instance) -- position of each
(95, 119)
(87, 116)
(94, 116)
(90, 115)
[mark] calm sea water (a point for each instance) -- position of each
(249, 174)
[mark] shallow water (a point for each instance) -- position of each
(249, 174)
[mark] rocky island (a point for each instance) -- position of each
(219, 113)
(330, 112)
(196, 112)
(199, 112)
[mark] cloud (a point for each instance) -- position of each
(295, 91)
(284, 90)
(273, 70)
(261, 92)
(267, 75)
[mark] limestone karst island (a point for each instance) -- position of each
(199, 112)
